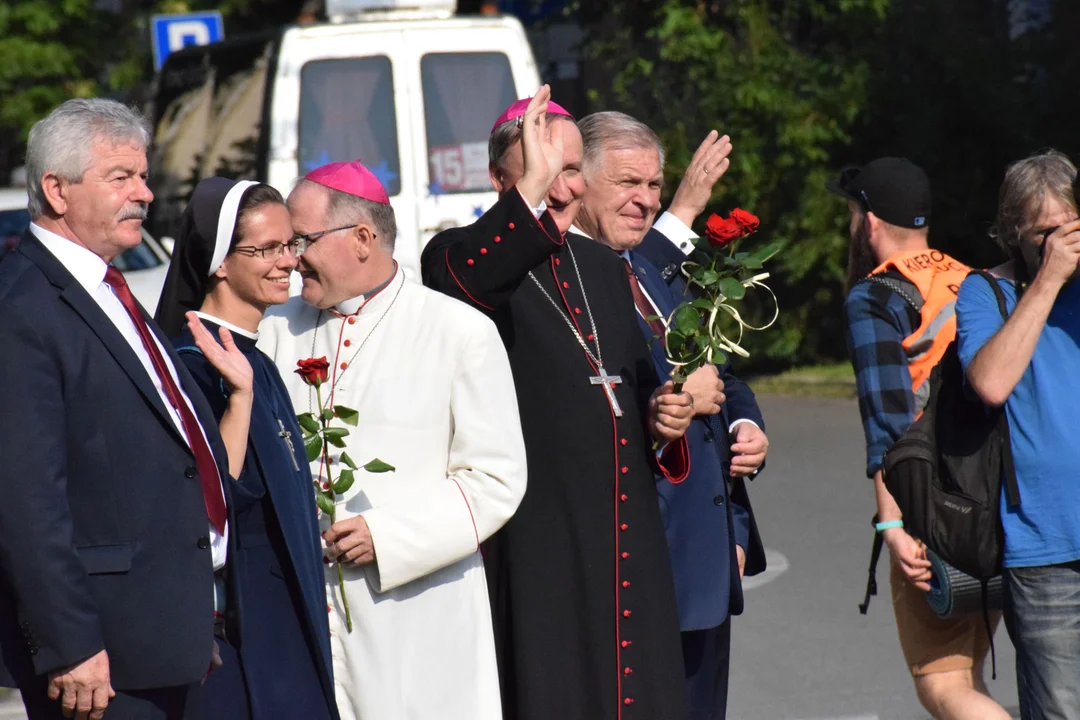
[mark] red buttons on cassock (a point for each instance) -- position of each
(627, 701)
(483, 251)
(497, 240)
(566, 285)
(511, 226)
(626, 583)
(622, 441)
(558, 261)
(627, 671)
(352, 320)
(347, 343)
(626, 613)
(344, 365)
(470, 261)
(626, 643)
(590, 337)
(577, 311)
(625, 470)
(622, 497)
(625, 555)
(624, 527)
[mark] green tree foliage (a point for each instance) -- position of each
(53, 50)
(787, 81)
(805, 87)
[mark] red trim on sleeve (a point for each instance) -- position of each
(681, 461)
(471, 516)
(450, 269)
(521, 197)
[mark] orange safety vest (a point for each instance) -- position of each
(937, 277)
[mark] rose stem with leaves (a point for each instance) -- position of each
(325, 422)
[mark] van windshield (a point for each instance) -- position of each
(463, 94)
(347, 112)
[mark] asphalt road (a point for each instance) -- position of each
(802, 651)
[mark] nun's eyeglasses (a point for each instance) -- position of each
(306, 240)
(272, 251)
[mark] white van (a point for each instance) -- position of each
(411, 93)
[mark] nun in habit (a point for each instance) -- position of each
(232, 260)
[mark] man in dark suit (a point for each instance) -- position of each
(113, 516)
(709, 526)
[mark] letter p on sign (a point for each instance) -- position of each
(170, 33)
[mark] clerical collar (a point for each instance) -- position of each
(353, 305)
(226, 324)
(578, 231)
(87, 268)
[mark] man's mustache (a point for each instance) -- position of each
(136, 212)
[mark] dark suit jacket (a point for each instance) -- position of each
(709, 513)
(103, 530)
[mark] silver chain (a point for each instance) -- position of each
(597, 358)
(314, 337)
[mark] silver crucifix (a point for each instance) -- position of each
(609, 382)
(287, 437)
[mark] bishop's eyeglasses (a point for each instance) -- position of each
(270, 251)
(306, 241)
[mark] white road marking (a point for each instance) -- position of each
(776, 564)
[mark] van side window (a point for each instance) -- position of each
(463, 94)
(347, 113)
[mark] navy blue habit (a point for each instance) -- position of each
(276, 650)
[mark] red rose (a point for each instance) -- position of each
(314, 371)
(747, 221)
(721, 232)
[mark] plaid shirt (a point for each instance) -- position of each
(877, 321)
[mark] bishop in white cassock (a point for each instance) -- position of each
(432, 384)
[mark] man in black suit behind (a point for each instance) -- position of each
(113, 516)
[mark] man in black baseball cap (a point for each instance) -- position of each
(892, 272)
(895, 190)
(887, 197)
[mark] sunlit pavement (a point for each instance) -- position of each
(802, 651)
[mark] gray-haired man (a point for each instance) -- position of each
(708, 522)
(114, 517)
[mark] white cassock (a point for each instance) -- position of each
(431, 381)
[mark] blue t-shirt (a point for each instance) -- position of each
(1044, 423)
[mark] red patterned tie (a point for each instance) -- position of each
(204, 459)
(644, 307)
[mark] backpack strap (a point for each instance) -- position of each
(1008, 468)
(901, 286)
(871, 580)
(999, 294)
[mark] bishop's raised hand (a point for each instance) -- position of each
(541, 148)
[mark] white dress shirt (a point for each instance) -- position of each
(89, 271)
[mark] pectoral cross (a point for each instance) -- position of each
(608, 382)
(287, 437)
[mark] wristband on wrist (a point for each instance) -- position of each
(888, 525)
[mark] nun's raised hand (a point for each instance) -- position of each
(225, 357)
(541, 148)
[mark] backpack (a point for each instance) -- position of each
(946, 470)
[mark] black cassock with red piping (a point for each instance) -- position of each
(581, 585)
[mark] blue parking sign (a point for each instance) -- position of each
(169, 33)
